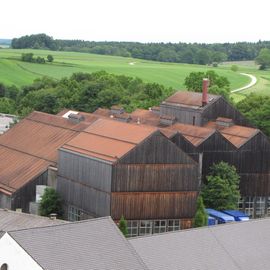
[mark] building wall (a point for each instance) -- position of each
(27, 194)
(183, 115)
(221, 108)
(84, 183)
(153, 205)
(155, 180)
(5, 201)
(14, 255)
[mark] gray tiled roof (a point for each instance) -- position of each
(94, 244)
(242, 245)
(11, 220)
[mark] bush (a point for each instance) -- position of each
(234, 68)
(50, 203)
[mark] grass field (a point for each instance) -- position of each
(263, 79)
(14, 71)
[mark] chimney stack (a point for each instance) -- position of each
(205, 91)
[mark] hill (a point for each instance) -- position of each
(14, 71)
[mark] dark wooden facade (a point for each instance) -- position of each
(199, 116)
(155, 180)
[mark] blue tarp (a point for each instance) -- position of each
(220, 216)
(238, 215)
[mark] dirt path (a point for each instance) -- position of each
(253, 82)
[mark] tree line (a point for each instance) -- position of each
(83, 92)
(191, 53)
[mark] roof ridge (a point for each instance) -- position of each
(63, 224)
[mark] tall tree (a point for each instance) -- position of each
(221, 190)
(123, 226)
(201, 215)
(263, 59)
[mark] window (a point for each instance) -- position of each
(268, 206)
(160, 226)
(4, 267)
(249, 206)
(241, 204)
(133, 229)
(193, 121)
(173, 225)
(74, 213)
(260, 206)
(145, 227)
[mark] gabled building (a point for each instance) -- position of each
(114, 168)
(28, 156)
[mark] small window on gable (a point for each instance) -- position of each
(4, 266)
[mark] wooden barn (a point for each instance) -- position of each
(247, 148)
(114, 168)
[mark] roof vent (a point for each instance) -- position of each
(167, 120)
(117, 110)
(224, 122)
(138, 121)
(75, 118)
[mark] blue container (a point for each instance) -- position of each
(211, 221)
(237, 215)
(219, 216)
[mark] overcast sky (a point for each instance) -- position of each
(137, 20)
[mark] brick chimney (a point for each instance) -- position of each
(205, 91)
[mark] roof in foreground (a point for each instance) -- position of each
(234, 246)
(109, 140)
(86, 245)
(189, 99)
(11, 220)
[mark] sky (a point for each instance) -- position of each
(201, 21)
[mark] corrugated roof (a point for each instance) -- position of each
(86, 245)
(11, 220)
(108, 140)
(237, 135)
(31, 146)
(17, 168)
(120, 131)
(190, 99)
(194, 134)
(235, 246)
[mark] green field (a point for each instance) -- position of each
(14, 71)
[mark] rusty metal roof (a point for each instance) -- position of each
(239, 135)
(31, 146)
(109, 140)
(194, 134)
(17, 168)
(189, 99)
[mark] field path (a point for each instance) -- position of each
(253, 82)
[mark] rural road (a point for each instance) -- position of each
(253, 81)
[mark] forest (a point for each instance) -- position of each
(191, 53)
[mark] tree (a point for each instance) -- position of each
(27, 57)
(201, 217)
(40, 60)
(50, 58)
(256, 108)
(221, 190)
(123, 226)
(263, 59)
(193, 81)
(234, 68)
(50, 203)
